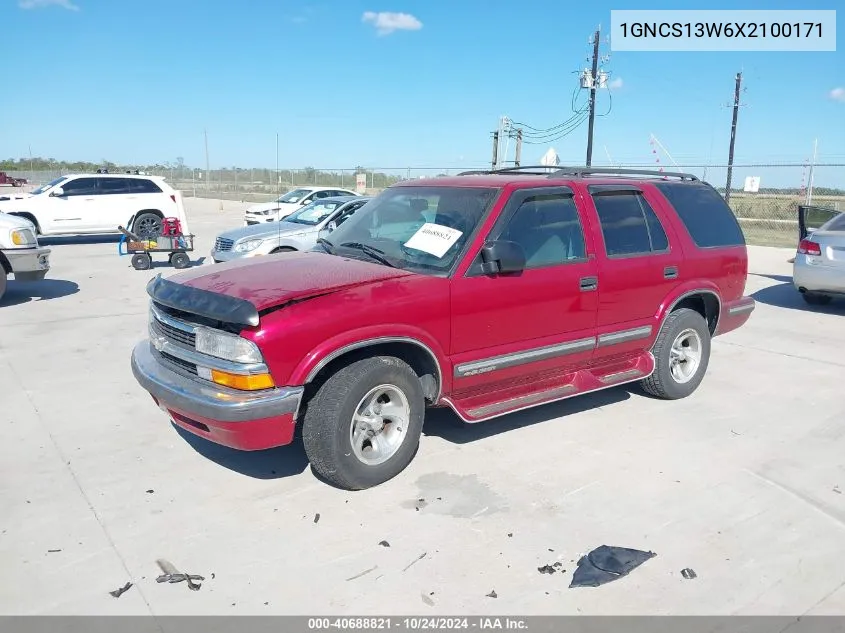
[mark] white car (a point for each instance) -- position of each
(290, 202)
(20, 254)
(84, 204)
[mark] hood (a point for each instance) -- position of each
(270, 206)
(268, 282)
(9, 222)
(267, 230)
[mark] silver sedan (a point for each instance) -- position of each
(297, 232)
(818, 271)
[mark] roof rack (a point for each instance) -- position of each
(580, 172)
(527, 169)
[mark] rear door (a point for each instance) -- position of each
(639, 266)
(521, 326)
(113, 200)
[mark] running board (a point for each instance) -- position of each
(478, 408)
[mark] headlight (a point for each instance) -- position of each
(249, 245)
(23, 237)
(227, 346)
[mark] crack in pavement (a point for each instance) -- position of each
(776, 353)
(76, 481)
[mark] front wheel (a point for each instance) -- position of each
(180, 260)
(815, 299)
(142, 261)
(363, 425)
(681, 355)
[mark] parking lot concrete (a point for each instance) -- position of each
(742, 482)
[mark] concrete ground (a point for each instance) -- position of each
(742, 482)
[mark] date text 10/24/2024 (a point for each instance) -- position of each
(482, 623)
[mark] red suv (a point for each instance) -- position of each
(487, 292)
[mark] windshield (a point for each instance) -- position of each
(418, 228)
(50, 184)
(313, 213)
(292, 197)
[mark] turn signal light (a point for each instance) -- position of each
(251, 382)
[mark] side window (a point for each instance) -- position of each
(322, 194)
(704, 213)
(548, 229)
(347, 213)
(628, 224)
(80, 187)
(112, 186)
(139, 185)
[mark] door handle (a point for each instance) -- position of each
(670, 272)
(589, 283)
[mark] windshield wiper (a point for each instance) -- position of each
(326, 244)
(372, 251)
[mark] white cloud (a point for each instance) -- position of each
(387, 22)
(838, 94)
(40, 4)
(615, 84)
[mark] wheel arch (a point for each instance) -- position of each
(5, 266)
(28, 216)
(705, 300)
(420, 356)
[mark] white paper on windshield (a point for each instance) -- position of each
(434, 239)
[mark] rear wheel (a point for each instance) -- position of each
(681, 355)
(362, 427)
(142, 261)
(147, 225)
(816, 299)
(180, 260)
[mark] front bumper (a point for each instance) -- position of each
(29, 264)
(233, 255)
(238, 419)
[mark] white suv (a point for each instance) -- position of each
(81, 204)
(290, 202)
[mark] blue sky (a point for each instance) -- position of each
(138, 83)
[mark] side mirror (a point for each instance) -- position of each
(324, 232)
(58, 192)
(304, 202)
(502, 256)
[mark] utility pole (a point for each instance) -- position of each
(733, 138)
(207, 171)
(495, 148)
(812, 169)
(593, 83)
(518, 148)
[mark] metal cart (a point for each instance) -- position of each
(178, 246)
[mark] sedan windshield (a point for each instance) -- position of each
(292, 197)
(312, 214)
(50, 184)
(418, 228)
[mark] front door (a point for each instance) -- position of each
(518, 326)
(75, 211)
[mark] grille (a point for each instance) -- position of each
(181, 364)
(222, 244)
(174, 334)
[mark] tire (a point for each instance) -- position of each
(328, 432)
(180, 260)
(147, 225)
(675, 380)
(815, 299)
(142, 261)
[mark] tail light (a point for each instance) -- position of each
(808, 247)
(173, 197)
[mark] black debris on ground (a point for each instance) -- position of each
(120, 590)
(546, 569)
(427, 600)
(606, 564)
(171, 575)
(420, 504)
(414, 562)
(550, 549)
(363, 573)
(316, 517)
(266, 603)
(384, 543)
(558, 565)
(150, 491)
(837, 490)
(492, 594)
(689, 573)
(440, 498)
(510, 534)
(53, 551)
(212, 575)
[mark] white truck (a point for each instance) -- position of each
(20, 254)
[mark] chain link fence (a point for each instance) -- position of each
(764, 197)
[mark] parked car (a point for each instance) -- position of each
(290, 202)
(82, 204)
(486, 293)
(20, 254)
(297, 232)
(818, 269)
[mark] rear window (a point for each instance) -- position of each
(138, 185)
(707, 217)
(836, 224)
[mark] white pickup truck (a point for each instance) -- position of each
(20, 254)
